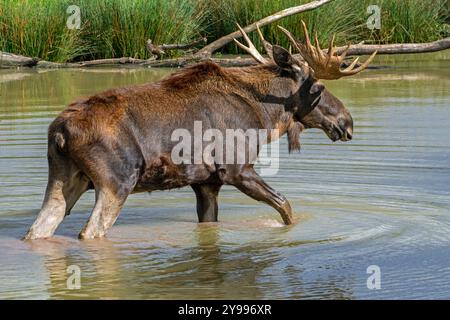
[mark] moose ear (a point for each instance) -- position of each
(282, 57)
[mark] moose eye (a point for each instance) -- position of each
(316, 88)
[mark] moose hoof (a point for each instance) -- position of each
(91, 234)
(88, 236)
(287, 219)
(32, 234)
(287, 213)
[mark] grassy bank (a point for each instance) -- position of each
(116, 28)
(109, 28)
(402, 20)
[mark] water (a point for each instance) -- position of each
(382, 199)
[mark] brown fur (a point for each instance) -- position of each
(293, 135)
(119, 141)
(99, 115)
(209, 76)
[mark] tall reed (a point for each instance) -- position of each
(116, 28)
(401, 20)
(109, 28)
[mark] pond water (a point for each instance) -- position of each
(382, 199)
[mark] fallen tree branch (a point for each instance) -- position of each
(159, 50)
(90, 63)
(366, 49)
(12, 60)
(15, 60)
(219, 43)
(362, 49)
(359, 50)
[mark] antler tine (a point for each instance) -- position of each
(316, 39)
(305, 32)
(295, 44)
(326, 64)
(350, 71)
(251, 48)
(290, 37)
(245, 36)
(318, 49)
(267, 45)
(331, 48)
(352, 65)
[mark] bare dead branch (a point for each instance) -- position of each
(12, 60)
(366, 49)
(15, 60)
(219, 43)
(91, 63)
(159, 50)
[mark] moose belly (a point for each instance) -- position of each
(162, 174)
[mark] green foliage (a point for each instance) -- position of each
(117, 28)
(110, 28)
(402, 20)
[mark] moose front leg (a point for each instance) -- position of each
(250, 183)
(207, 207)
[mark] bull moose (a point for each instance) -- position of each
(118, 142)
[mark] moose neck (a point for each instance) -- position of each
(273, 102)
(258, 87)
(268, 95)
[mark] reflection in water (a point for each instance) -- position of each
(382, 199)
(208, 268)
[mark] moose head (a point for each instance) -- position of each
(314, 106)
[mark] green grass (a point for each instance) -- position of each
(123, 27)
(410, 21)
(402, 20)
(110, 28)
(117, 28)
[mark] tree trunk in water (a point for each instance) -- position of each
(15, 60)
(366, 49)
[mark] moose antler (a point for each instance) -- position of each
(267, 45)
(251, 48)
(325, 65)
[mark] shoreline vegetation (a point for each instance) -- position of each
(118, 31)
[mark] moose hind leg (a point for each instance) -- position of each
(250, 183)
(60, 197)
(106, 210)
(65, 186)
(114, 173)
(207, 208)
(52, 212)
